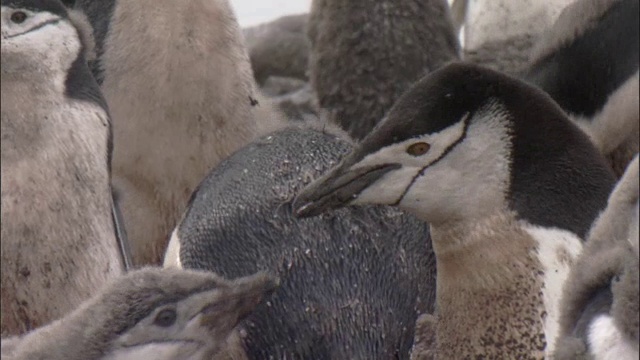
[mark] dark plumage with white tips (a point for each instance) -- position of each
(353, 282)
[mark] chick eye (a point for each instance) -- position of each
(18, 17)
(419, 148)
(165, 318)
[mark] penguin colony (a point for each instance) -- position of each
(300, 243)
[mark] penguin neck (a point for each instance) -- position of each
(492, 240)
(34, 75)
(489, 285)
(72, 337)
(17, 72)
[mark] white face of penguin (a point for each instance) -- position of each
(42, 38)
(459, 172)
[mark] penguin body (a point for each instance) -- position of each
(353, 283)
(279, 48)
(177, 110)
(58, 241)
(365, 54)
(600, 302)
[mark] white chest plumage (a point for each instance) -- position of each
(557, 249)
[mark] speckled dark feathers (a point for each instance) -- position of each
(352, 281)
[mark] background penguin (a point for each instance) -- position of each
(179, 84)
(507, 184)
(58, 242)
(352, 283)
(279, 53)
(160, 314)
(366, 53)
(487, 21)
(500, 34)
(279, 48)
(588, 63)
(600, 303)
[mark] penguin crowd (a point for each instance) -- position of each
(373, 180)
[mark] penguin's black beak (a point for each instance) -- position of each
(337, 188)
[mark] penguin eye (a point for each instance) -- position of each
(165, 318)
(419, 148)
(18, 17)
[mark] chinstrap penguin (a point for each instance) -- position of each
(508, 185)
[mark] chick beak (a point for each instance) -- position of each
(240, 302)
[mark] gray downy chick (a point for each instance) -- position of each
(366, 53)
(58, 242)
(177, 109)
(151, 313)
(600, 305)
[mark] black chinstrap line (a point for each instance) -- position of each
(467, 122)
